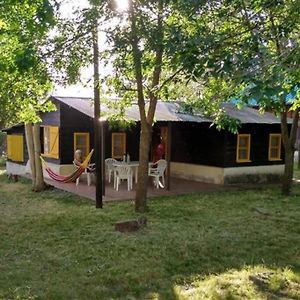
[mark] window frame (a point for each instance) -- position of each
(87, 134)
(11, 148)
(113, 135)
(50, 155)
(248, 148)
(271, 135)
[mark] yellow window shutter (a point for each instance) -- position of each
(9, 146)
(18, 148)
(54, 142)
(15, 147)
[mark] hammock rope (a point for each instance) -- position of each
(72, 177)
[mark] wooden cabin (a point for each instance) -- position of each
(198, 151)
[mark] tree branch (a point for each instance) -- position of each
(158, 64)
(67, 44)
(137, 63)
(170, 78)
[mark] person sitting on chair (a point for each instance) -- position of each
(78, 158)
(78, 161)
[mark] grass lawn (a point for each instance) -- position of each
(54, 245)
(296, 171)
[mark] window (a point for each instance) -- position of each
(51, 141)
(275, 146)
(15, 147)
(118, 144)
(243, 148)
(82, 142)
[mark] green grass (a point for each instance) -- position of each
(296, 171)
(54, 245)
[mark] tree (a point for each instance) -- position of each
(254, 47)
(24, 78)
(145, 63)
(154, 42)
(274, 33)
(147, 46)
(157, 50)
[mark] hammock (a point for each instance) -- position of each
(73, 176)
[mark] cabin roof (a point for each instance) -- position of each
(170, 111)
(165, 111)
(12, 127)
(248, 115)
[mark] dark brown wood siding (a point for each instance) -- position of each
(197, 143)
(51, 118)
(71, 121)
(259, 145)
(132, 140)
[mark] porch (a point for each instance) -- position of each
(178, 187)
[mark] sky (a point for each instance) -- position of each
(67, 10)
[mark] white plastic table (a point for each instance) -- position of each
(133, 164)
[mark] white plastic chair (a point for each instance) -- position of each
(88, 172)
(123, 173)
(109, 167)
(158, 172)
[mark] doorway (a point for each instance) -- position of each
(159, 143)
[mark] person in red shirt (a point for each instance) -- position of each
(160, 150)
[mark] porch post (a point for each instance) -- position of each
(97, 123)
(103, 131)
(169, 143)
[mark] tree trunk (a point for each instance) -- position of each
(97, 124)
(146, 117)
(299, 155)
(288, 170)
(39, 177)
(30, 149)
(141, 191)
(289, 139)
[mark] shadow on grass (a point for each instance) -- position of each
(208, 246)
(49, 193)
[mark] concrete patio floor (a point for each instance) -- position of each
(178, 187)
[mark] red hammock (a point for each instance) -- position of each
(73, 176)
